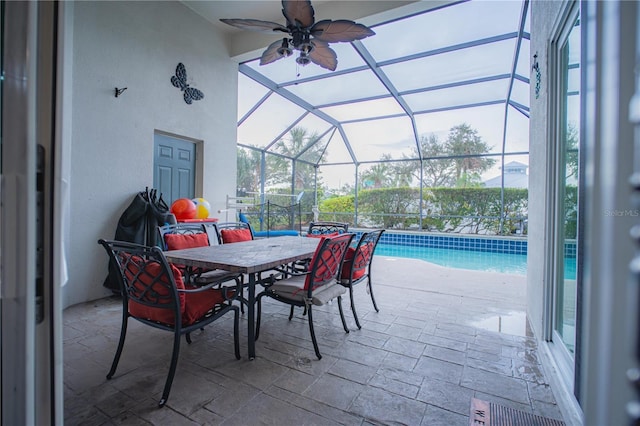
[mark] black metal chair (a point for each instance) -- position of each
(323, 228)
(189, 235)
(316, 286)
(356, 267)
(154, 293)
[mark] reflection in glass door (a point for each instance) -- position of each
(569, 177)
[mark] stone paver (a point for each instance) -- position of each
(418, 361)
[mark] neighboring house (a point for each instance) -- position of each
(515, 176)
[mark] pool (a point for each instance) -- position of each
(462, 259)
(480, 253)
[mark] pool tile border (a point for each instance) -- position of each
(506, 245)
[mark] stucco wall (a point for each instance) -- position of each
(138, 45)
(544, 15)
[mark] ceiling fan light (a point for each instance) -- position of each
(303, 59)
(285, 50)
(305, 48)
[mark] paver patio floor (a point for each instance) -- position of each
(442, 337)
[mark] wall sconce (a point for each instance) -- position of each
(536, 68)
(119, 91)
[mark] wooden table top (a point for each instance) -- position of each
(248, 256)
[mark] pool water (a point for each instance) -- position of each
(468, 259)
(463, 259)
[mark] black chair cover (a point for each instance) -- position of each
(138, 224)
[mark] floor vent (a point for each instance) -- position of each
(485, 413)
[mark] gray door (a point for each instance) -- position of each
(174, 166)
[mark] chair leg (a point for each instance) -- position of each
(344, 323)
(291, 313)
(236, 333)
(313, 334)
(353, 307)
(371, 293)
(172, 368)
(258, 316)
(243, 301)
(188, 337)
(123, 333)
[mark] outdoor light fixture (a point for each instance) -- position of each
(119, 92)
(536, 68)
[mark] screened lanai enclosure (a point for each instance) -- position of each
(422, 126)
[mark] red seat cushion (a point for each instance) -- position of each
(235, 235)
(184, 241)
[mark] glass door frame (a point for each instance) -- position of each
(554, 259)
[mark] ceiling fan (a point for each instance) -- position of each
(305, 35)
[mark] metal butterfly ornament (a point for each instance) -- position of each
(180, 81)
(308, 37)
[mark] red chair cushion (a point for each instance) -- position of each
(193, 306)
(198, 304)
(362, 262)
(235, 235)
(329, 263)
(158, 294)
(184, 241)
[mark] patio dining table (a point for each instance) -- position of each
(250, 258)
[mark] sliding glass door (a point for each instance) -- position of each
(565, 253)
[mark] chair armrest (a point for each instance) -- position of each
(237, 290)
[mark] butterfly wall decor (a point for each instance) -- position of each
(180, 81)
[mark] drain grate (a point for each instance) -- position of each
(485, 413)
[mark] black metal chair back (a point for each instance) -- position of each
(326, 262)
(319, 228)
(181, 229)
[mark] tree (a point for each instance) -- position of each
(377, 176)
(572, 151)
(300, 141)
(465, 141)
(248, 161)
(435, 172)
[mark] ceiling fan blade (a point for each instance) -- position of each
(298, 13)
(255, 25)
(341, 30)
(323, 55)
(271, 54)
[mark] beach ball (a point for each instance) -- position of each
(183, 208)
(202, 208)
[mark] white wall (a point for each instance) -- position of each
(138, 45)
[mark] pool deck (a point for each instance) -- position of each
(433, 346)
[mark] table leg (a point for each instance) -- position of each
(251, 316)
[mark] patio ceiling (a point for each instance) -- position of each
(433, 65)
